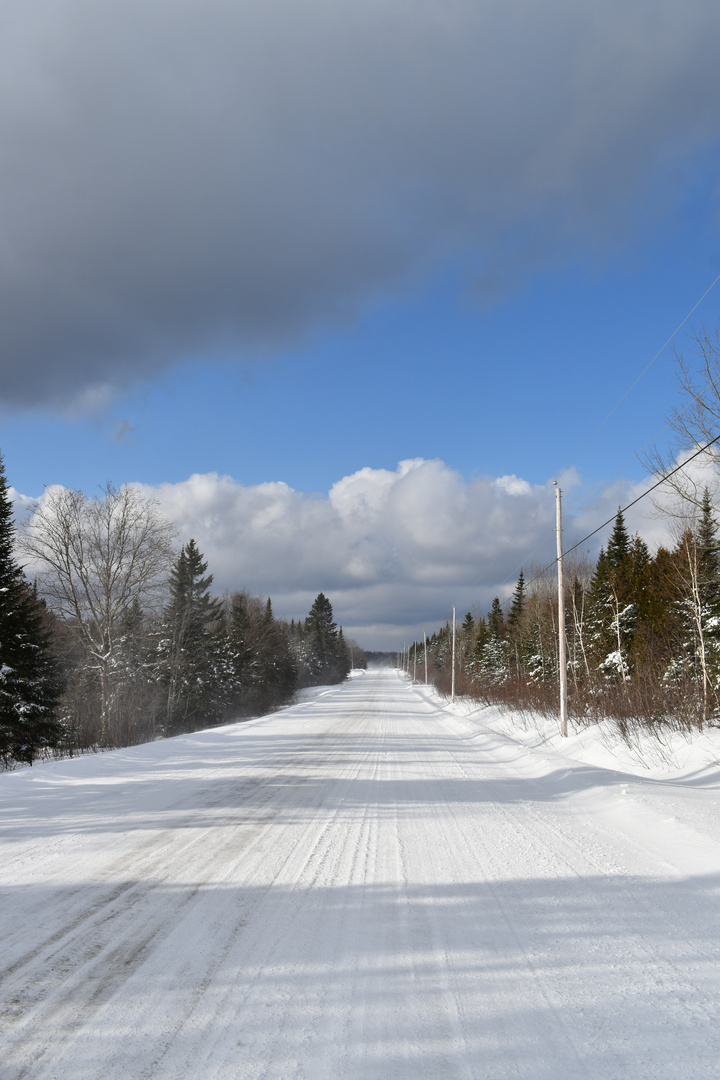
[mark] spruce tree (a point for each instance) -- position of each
(698, 562)
(330, 657)
(264, 670)
(482, 636)
(518, 604)
(467, 639)
(276, 672)
(708, 549)
(29, 676)
(619, 542)
(495, 619)
(515, 620)
(492, 657)
(344, 662)
(613, 601)
(242, 657)
(193, 662)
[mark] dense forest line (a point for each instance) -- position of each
(643, 635)
(121, 640)
(643, 630)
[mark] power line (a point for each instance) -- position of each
(623, 509)
(602, 424)
(642, 373)
(610, 479)
(585, 501)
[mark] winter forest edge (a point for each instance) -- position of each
(119, 640)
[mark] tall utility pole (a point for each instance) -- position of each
(414, 659)
(562, 652)
(452, 691)
(425, 654)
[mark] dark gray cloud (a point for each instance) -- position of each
(181, 177)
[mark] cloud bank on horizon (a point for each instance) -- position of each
(393, 550)
(184, 179)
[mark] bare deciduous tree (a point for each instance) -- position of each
(695, 423)
(97, 556)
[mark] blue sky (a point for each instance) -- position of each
(512, 386)
(335, 248)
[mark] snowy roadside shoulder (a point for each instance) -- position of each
(661, 754)
(306, 696)
(661, 792)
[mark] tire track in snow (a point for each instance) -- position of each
(373, 896)
(71, 976)
(535, 843)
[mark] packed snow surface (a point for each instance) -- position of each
(369, 885)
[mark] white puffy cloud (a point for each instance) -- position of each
(393, 550)
(21, 504)
(513, 485)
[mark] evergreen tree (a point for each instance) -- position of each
(492, 657)
(495, 619)
(264, 672)
(515, 621)
(617, 596)
(276, 672)
(29, 675)
(321, 626)
(698, 580)
(343, 654)
(643, 633)
(708, 549)
(517, 606)
(619, 543)
(330, 656)
(242, 655)
(194, 666)
(303, 656)
(482, 636)
(467, 640)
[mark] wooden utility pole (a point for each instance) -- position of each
(425, 654)
(452, 691)
(562, 652)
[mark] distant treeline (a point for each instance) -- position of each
(643, 635)
(380, 659)
(121, 641)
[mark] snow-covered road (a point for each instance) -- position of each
(361, 886)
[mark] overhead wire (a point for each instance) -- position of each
(597, 491)
(623, 509)
(610, 479)
(644, 371)
(548, 486)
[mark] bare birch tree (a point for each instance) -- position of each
(96, 557)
